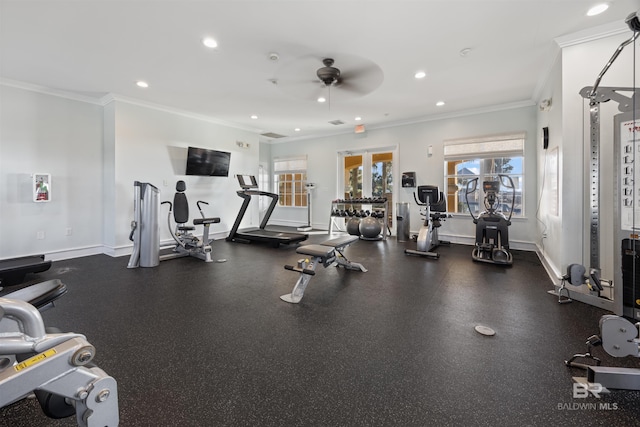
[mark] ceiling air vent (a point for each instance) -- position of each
(273, 135)
(336, 122)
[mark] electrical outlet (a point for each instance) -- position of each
(40, 235)
(69, 231)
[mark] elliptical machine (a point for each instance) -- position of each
(435, 210)
(492, 226)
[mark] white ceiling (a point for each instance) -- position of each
(92, 48)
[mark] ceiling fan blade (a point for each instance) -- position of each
(352, 86)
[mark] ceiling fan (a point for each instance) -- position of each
(356, 76)
(328, 74)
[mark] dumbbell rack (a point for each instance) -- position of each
(377, 205)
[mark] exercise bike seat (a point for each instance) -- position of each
(40, 294)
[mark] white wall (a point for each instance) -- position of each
(551, 223)
(94, 153)
(151, 146)
(412, 141)
(63, 137)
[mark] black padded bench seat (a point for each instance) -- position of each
(13, 271)
(199, 221)
(322, 251)
(339, 242)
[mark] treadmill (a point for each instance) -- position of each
(260, 234)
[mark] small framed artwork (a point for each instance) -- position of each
(41, 187)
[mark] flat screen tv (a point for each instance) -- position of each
(201, 161)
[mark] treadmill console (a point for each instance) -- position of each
(247, 181)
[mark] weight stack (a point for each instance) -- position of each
(631, 284)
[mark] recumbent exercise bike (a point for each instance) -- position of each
(435, 204)
(492, 225)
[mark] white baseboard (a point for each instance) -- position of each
(74, 253)
(471, 241)
(125, 250)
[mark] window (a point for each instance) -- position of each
(290, 177)
(484, 158)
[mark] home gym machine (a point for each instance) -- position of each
(249, 187)
(492, 226)
(435, 208)
(55, 366)
(188, 244)
(618, 336)
(145, 233)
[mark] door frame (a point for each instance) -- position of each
(367, 153)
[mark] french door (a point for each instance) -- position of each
(368, 173)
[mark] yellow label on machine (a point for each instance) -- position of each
(35, 359)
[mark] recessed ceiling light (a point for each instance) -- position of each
(464, 52)
(253, 116)
(357, 119)
(598, 9)
(142, 84)
(439, 103)
(297, 129)
(209, 42)
(420, 75)
(322, 99)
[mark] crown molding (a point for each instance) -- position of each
(49, 91)
(416, 120)
(113, 97)
(591, 34)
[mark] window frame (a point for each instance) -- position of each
(485, 151)
(289, 181)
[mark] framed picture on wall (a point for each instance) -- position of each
(41, 187)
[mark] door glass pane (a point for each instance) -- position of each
(352, 177)
(382, 180)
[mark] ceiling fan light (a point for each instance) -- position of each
(598, 9)
(209, 42)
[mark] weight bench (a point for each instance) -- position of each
(327, 253)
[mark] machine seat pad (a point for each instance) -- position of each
(40, 294)
(199, 221)
(340, 242)
(323, 252)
